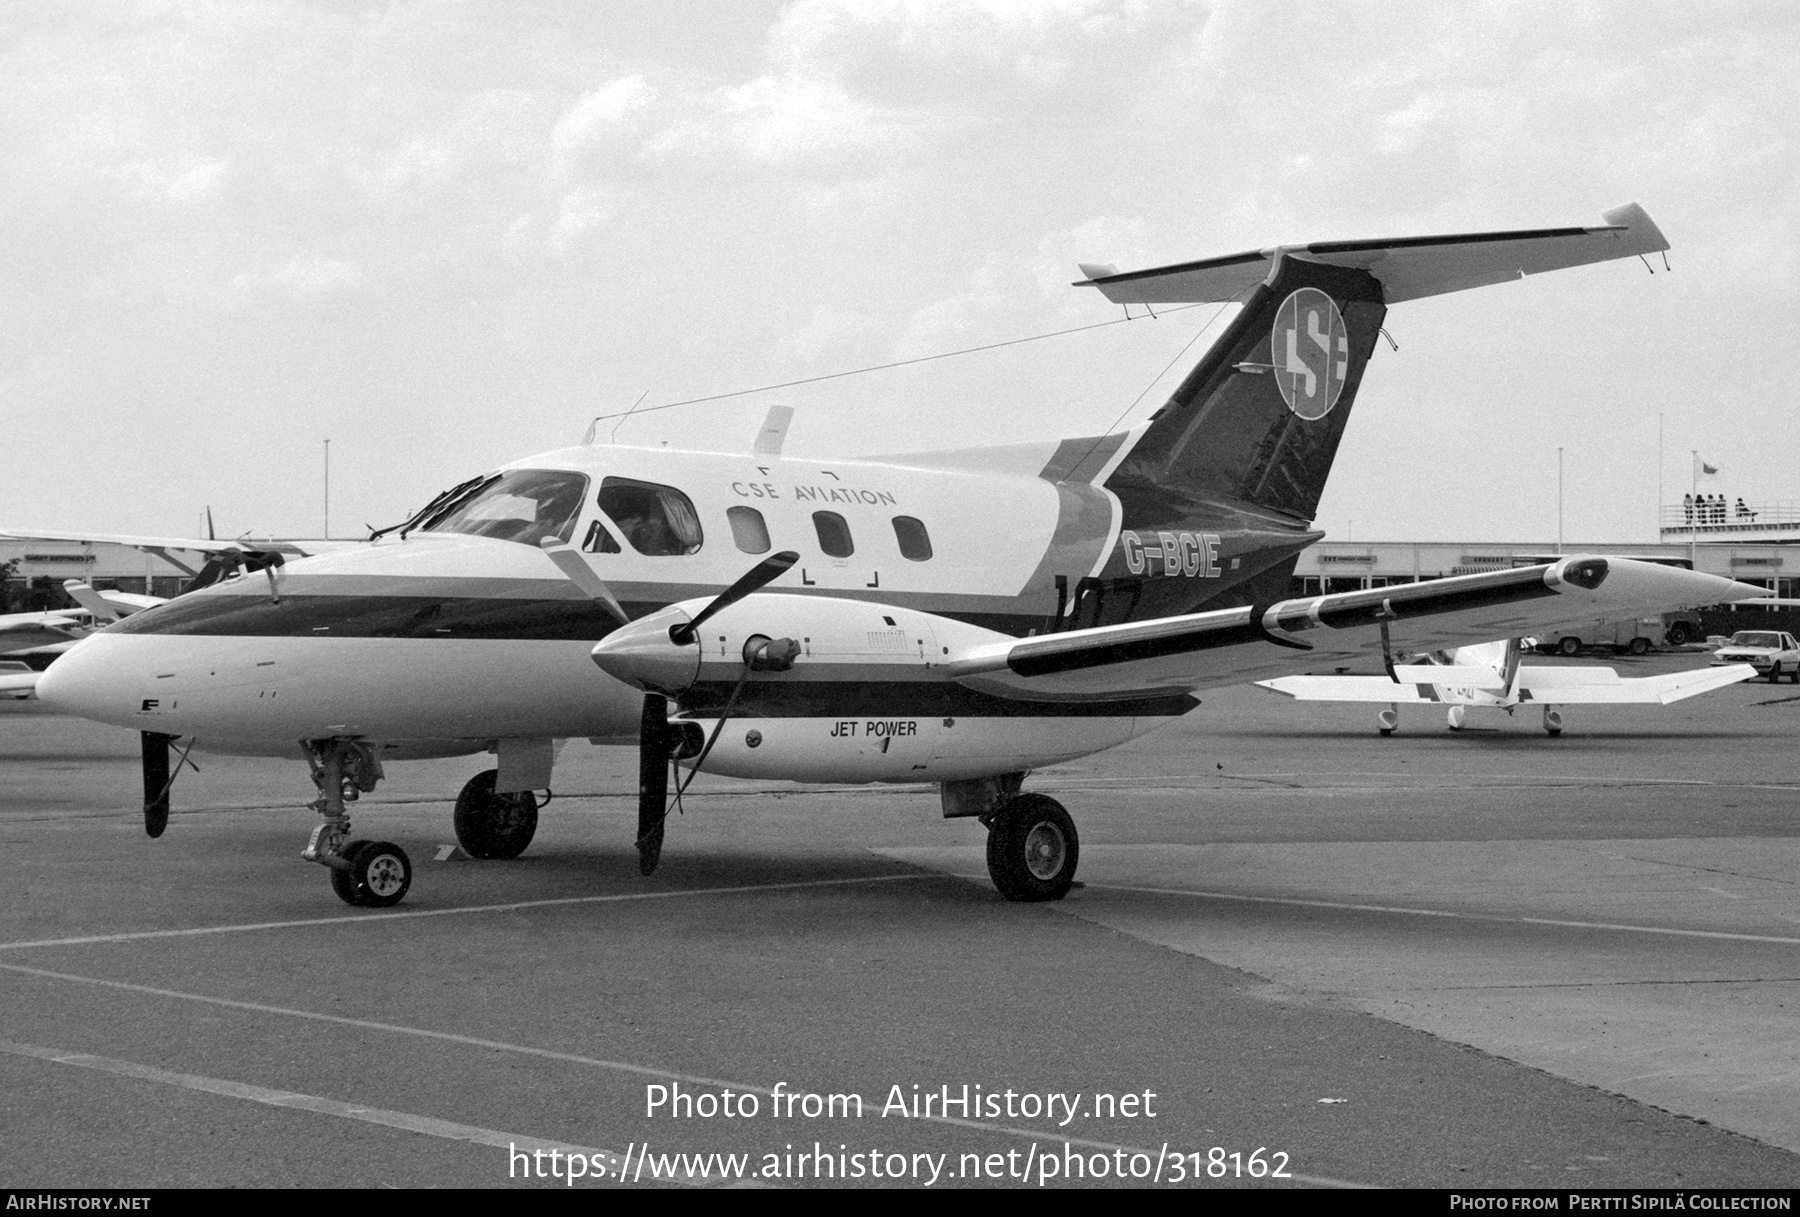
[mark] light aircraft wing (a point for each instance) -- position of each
(29, 631)
(1230, 646)
(167, 547)
(1551, 686)
(1347, 688)
(1593, 686)
(298, 549)
(1408, 267)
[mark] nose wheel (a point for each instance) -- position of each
(373, 874)
(1032, 848)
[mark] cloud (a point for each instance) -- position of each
(595, 118)
(303, 280)
(849, 80)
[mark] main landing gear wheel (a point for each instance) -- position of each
(376, 874)
(490, 825)
(1552, 723)
(341, 882)
(1032, 848)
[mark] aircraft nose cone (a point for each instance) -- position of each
(81, 681)
(643, 654)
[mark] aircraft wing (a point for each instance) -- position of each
(1348, 688)
(29, 631)
(1594, 686)
(1230, 646)
(1408, 267)
(1550, 686)
(166, 547)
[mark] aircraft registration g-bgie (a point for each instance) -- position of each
(1489, 674)
(956, 618)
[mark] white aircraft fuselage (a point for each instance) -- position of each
(437, 643)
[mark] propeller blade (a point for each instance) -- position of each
(653, 780)
(570, 563)
(753, 580)
(156, 782)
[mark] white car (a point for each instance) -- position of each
(1770, 652)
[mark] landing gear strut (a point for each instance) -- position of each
(1032, 848)
(368, 874)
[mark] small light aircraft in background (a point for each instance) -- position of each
(1490, 674)
(956, 618)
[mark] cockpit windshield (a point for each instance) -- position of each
(524, 505)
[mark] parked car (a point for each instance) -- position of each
(1770, 652)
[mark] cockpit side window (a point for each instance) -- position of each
(523, 505)
(658, 521)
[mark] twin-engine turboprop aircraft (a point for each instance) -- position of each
(955, 618)
(1490, 675)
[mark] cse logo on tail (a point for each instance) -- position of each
(1310, 347)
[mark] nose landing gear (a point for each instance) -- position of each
(367, 874)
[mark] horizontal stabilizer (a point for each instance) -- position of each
(1408, 268)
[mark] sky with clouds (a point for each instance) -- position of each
(446, 235)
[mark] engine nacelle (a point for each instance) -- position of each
(866, 698)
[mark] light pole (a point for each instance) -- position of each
(1559, 502)
(328, 490)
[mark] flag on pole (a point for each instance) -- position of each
(1704, 470)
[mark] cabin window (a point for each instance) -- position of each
(658, 521)
(834, 534)
(915, 542)
(748, 529)
(524, 505)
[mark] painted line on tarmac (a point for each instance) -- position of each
(1479, 781)
(412, 914)
(573, 1058)
(1402, 910)
(406, 1121)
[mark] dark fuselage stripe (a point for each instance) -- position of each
(440, 617)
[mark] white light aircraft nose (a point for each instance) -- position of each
(91, 681)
